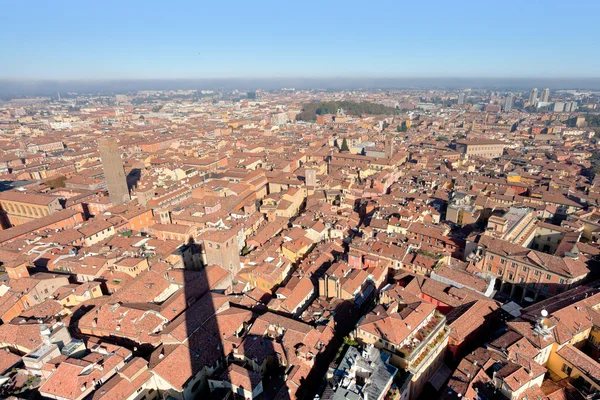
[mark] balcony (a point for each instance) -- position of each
(427, 339)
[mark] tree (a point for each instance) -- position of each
(344, 146)
(311, 110)
(402, 127)
(58, 182)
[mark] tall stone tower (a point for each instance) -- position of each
(311, 177)
(220, 247)
(389, 146)
(114, 174)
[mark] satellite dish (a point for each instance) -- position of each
(544, 313)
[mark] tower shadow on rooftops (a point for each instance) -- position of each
(209, 350)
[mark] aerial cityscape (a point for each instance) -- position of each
(314, 202)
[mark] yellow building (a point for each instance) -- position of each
(566, 339)
(16, 207)
(415, 334)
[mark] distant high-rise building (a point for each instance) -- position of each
(559, 107)
(570, 106)
(114, 174)
(508, 102)
(533, 96)
(545, 95)
(461, 98)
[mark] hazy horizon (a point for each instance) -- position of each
(11, 88)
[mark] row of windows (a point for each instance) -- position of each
(25, 210)
(516, 267)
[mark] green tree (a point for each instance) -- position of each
(344, 146)
(402, 127)
(311, 110)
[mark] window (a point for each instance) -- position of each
(524, 268)
(502, 261)
(500, 271)
(491, 258)
(562, 281)
(566, 369)
(548, 276)
(536, 272)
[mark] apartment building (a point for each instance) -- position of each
(415, 334)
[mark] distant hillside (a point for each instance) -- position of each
(311, 110)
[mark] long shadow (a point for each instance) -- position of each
(190, 353)
(346, 315)
(215, 349)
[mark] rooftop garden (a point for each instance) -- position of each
(435, 256)
(422, 336)
(439, 338)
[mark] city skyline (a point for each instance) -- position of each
(16, 88)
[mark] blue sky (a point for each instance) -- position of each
(124, 39)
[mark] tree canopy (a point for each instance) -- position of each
(311, 110)
(344, 146)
